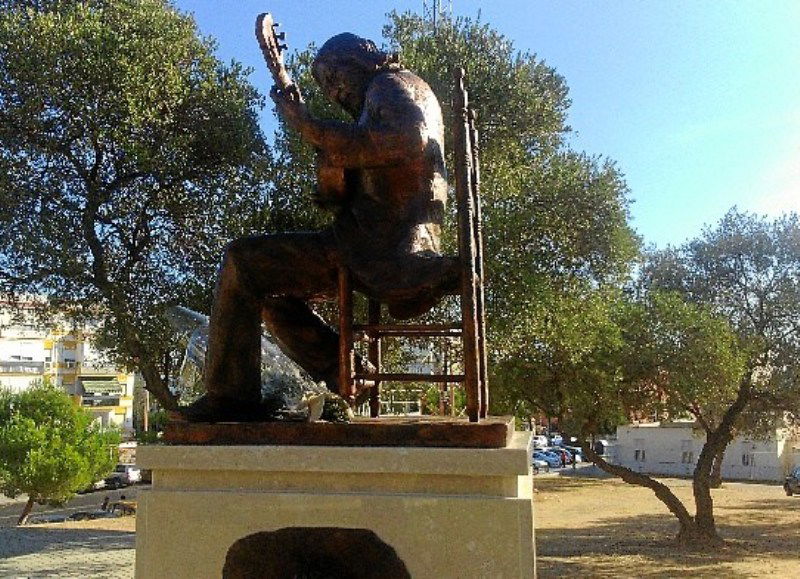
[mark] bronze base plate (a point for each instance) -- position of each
(413, 431)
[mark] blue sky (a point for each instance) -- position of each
(697, 101)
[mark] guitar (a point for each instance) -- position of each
(331, 182)
(272, 47)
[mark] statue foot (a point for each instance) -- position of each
(219, 409)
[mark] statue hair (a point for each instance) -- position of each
(352, 49)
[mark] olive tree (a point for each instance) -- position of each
(129, 155)
(49, 447)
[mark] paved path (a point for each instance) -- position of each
(50, 551)
(103, 548)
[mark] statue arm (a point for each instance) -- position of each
(392, 130)
(355, 146)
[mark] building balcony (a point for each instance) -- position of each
(98, 368)
(110, 401)
(21, 367)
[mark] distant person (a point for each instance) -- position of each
(104, 506)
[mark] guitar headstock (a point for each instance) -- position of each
(273, 45)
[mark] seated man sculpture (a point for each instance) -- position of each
(384, 178)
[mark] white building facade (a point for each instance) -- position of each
(672, 449)
(64, 356)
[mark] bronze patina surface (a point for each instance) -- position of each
(383, 176)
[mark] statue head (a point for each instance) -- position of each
(344, 67)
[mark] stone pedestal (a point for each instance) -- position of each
(446, 512)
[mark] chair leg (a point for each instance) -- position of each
(374, 356)
(347, 389)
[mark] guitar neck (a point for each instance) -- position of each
(279, 73)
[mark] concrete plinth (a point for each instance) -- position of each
(446, 512)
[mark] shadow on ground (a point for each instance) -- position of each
(565, 484)
(21, 541)
(646, 543)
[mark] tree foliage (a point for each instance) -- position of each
(747, 270)
(128, 156)
(712, 335)
(49, 447)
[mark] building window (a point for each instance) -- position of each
(639, 454)
(687, 453)
(748, 459)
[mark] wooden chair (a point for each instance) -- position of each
(472, 327)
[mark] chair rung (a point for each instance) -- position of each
(381, 330)
(387, 377)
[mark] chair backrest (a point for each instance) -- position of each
(470, 249)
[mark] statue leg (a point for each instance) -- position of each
(304, 336)
(267, 276)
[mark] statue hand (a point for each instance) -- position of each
(290, 105)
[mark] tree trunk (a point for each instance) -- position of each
(694, 537)
(715, 481)
(156, 386)
(662, 491)
(117, 302)
(23, 518)
(690, 534)
(716, 442)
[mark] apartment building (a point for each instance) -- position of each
(64, 355)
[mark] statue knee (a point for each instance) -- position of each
(233, 269)
(238, 255)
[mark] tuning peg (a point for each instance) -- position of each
(282, 47)
(276, 25)
(281, 36)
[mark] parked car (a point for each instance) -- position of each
(556, 439)
(539, 441)
(95, 486)
(556, 451)
(115, 481)
(123, 475)
(129, 472)
(576, 452)
(550, 458)
(792, 484)
(601, 446)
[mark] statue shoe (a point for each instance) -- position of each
(218, 409)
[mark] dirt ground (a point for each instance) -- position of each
(602, 527)
(121, 524)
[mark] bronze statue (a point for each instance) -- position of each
(384, 178)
